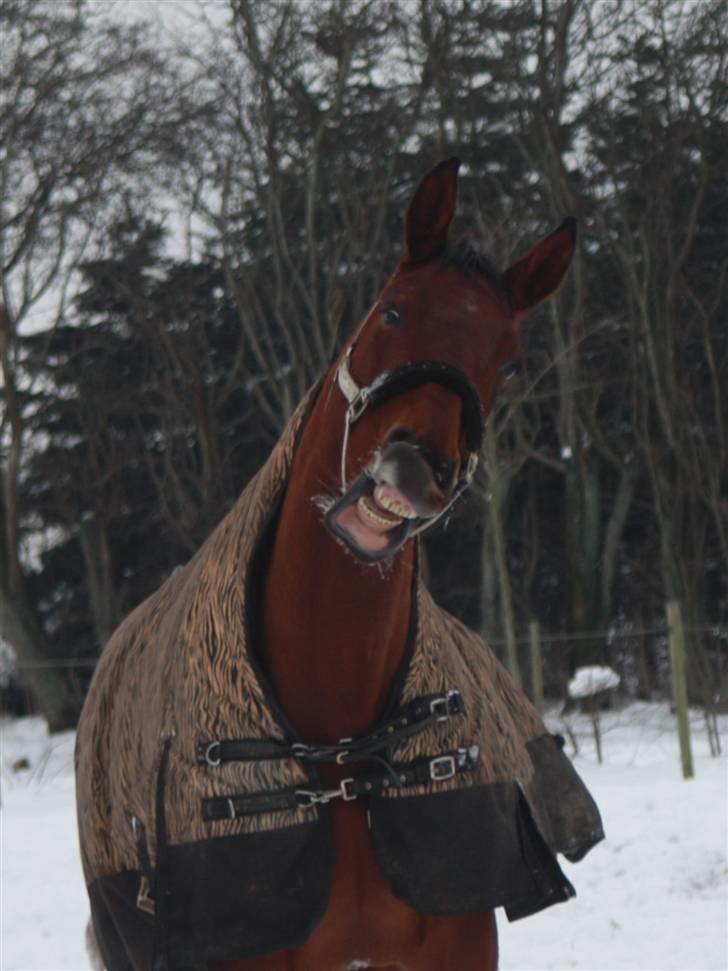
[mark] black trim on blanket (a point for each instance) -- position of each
(468, 850)
(471, 849)
(235, 897)
(159, 890)
(124, 934)
(566, 814)
(241, 896)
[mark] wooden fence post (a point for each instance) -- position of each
(534, 639)
(679, 685)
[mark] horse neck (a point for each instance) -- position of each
(334, 629)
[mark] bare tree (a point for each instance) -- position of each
(672, 271)
(85, 107)
(314, 114)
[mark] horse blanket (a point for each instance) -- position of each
(190, 858)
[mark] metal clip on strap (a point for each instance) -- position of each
(423, 771)
(358, 399)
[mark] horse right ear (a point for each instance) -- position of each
(538, 275)
(430, 213)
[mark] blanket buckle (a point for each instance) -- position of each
(440, 707)
(144, 899)
(442, 768)
(213, 754)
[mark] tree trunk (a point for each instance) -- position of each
(98, 570)
(498, 481)
(51, 692)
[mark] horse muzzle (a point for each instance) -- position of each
(397, 495)
(392, 500)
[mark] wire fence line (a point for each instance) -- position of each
(716, 631)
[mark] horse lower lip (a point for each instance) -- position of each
(348, 523)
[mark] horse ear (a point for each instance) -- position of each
(538, 275)
(430, 212)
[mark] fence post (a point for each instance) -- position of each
(534, 639)
(679, 685)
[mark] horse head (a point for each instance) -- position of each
(422, 370)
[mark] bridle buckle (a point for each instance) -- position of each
(357, 406)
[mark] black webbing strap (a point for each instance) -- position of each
(407, 720)
(423, 771)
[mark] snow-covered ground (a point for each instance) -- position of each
(652, 897)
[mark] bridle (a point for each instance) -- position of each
(387, 384)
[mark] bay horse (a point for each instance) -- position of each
(389, 441)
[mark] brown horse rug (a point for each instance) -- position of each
(204, 827)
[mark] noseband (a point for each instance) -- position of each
(387, 384)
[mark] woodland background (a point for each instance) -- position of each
(189, 228)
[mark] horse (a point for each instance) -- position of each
(378, 452)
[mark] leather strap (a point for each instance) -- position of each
(407, 720)
(428, 770)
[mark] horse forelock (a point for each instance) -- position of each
(468, 256)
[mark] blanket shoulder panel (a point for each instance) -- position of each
(179, 668)
(498, 716)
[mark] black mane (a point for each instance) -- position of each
(466, 256)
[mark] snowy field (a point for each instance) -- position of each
(652, 897)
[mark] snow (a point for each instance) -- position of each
(652, 897)
(7, 663)
(591, 680)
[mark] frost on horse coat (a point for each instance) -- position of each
(170, 889)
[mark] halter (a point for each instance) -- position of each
(387, 384)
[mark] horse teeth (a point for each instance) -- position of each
(392, 505)
(370, 512)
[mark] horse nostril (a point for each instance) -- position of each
(442, 469)
(443, 472)
(399, 435)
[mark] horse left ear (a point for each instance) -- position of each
(538, 275)
(430, 212)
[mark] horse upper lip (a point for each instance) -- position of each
(403, 467)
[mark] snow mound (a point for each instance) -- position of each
(591, 680)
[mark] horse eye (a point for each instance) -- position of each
(390, 315)
(510, 369)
